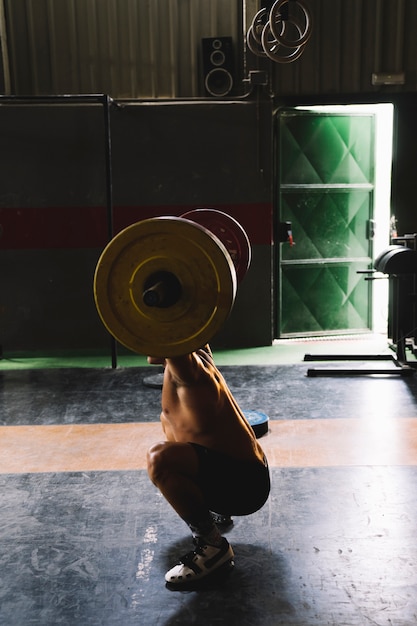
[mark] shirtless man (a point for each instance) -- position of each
(210, 462)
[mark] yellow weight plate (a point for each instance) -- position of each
(204, 274)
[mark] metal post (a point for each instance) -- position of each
(109, 198)
(4, 49)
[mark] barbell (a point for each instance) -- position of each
(165, 286)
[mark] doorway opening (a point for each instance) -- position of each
(382, 133)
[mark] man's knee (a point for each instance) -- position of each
(166, 458)
(157, 460)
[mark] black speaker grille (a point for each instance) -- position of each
(218, 65)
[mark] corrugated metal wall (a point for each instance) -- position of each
(151, 48)
(351, 40)
(125, 48)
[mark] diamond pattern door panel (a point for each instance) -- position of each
(323, 298)
(325, 172)
(320, 148)
(328, 223)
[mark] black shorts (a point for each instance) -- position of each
(232, 486)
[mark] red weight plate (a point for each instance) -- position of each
(231, 234)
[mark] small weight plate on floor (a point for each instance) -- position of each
(259, 422)
(232, 235)
(154, 382)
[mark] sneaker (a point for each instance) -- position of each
(221, 520)
(201, 562)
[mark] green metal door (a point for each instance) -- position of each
(325, 189)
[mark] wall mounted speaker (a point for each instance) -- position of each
(218, 65)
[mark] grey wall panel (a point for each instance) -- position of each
(47, 302)
(191, 154)
(166, 159)
(52, 155)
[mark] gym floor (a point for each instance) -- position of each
(85, 538)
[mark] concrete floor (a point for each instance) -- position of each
(85, 539)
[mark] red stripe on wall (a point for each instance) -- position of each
(86, 227)
(52, 227)
(256, 218)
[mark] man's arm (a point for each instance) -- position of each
(183, 370)
(190, 368)
(167, 428)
